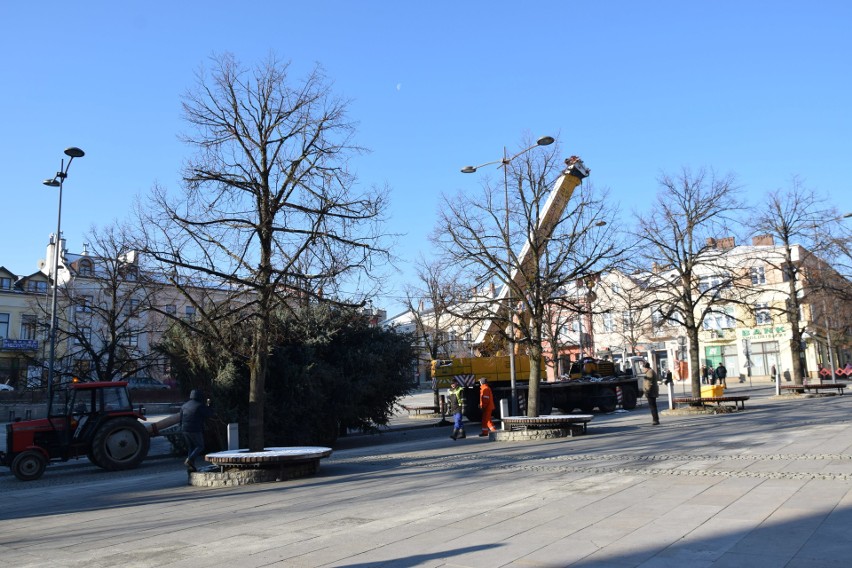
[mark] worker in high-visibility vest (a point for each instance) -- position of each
(455, 405)
(486, 406)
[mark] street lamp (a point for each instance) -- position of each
(57, 181)
(504, 163)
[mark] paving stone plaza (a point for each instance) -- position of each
(770, 486)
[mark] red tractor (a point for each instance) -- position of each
(93, 419)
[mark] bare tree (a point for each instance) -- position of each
(431, 302)
(270, 213)
(792, 217)
(684, 234)
(629, 308)
(104, 318)
(472, 234)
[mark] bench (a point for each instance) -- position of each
(739, 401)
(815, 387)
(417, 410)
(555, 421)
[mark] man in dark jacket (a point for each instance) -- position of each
(651, 389)
(193, 413)
(721, 375)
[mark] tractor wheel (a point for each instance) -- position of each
(120, 443)
(29, 465)
(91, 457)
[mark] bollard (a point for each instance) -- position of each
(504, 411)
(233, 436)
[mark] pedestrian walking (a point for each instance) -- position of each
(455, 404)
(193, 413)
(721, 374)
(486, 406)
(651, 389)
(773, 372)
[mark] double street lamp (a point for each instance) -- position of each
(504, 163)
(57, 181)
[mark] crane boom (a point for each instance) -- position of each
(564, 187)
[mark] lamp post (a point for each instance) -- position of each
(504, 163)
(57, 181)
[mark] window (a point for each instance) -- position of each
(607, 322)
(170, 309)
(714, 281)
(29, 324)
(720, 318)
(84, 304)
(657, 318)
(762, 314)
(5, 283)
(4, 326)
(133, 307)
(38, 286)
(615, 287)
(84, 335)
(627, 320)
(131, 339)
(575, 325)
(758, 275)
(189, 312)
(85, 267)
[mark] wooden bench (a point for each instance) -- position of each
(555, 421)
(739, 401)
(815, 387)
(417, 410)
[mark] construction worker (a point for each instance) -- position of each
(486, 406)
(455, 405)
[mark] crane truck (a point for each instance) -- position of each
(590, 383)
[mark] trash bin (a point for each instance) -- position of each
(712, 391)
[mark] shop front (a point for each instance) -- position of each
(765, 347)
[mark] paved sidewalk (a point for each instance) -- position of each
(767, 487)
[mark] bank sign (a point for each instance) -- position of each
(767, 332)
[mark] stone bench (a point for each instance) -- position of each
(242, 467)
(815, 387)
(417, 410)
(551, 421)
(739, 401)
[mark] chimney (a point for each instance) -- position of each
(727, 243)
(763, 241)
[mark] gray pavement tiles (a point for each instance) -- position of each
(770, 486)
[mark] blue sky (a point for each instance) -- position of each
(759, 89)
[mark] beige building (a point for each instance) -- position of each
(748, 331)
(22, 331)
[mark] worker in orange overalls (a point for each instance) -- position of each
(486, 406)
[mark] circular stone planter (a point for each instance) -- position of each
(242, 467)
